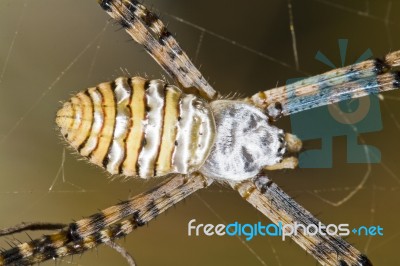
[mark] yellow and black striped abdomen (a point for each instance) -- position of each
(139, 127)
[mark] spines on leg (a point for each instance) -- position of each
(107, 225)
(354, 81)
(327, 249)
(148, 30)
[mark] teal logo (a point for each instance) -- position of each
(347, 118)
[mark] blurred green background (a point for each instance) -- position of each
(52, 49)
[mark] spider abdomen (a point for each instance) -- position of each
(139, 127)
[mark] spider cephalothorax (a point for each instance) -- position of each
(245, 142)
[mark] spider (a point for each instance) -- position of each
(216, 133)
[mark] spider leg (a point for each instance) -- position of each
(30, 227)
(107, 236)
(148, 30)
(286, 163)
(354, 81)
(102, 227)
(293, 143)
(279, 207)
